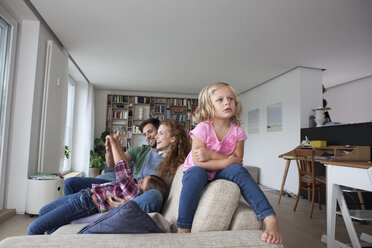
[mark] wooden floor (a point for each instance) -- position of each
(297, 228)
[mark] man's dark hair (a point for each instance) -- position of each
(153, 121)
(158, 183)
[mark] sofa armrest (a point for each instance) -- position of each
(244, 218)
(216, 207)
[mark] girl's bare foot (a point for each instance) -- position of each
(271, 234)
(181, 230)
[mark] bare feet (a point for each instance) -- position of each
(181, 230)
(271, 234)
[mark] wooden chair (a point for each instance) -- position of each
(306, 174)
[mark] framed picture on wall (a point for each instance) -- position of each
(274, 117)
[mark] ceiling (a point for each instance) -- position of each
(179, 46)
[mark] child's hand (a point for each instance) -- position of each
(114, 139)
(115, 202)
(108, 145)
(233, 159)
(202, 154)
(117, 137)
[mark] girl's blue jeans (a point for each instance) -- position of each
(196, 178)
(73, 185)
(75, 206)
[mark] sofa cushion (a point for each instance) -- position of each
(164, 225)
(216, 206)
(127, 218)
(240, 239)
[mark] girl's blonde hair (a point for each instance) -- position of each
(205, 110)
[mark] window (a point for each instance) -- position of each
(69, 122)
(4, 56)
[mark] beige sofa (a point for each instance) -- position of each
(222, 219)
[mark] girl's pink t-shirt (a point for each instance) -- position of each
(205, 132)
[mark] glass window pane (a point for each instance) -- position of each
(69, 123)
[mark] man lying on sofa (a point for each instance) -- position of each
(137, 155)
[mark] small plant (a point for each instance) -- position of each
(97, 155)
(67, 151)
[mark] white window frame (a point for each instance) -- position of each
(6, 101)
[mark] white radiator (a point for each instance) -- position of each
(54, 107)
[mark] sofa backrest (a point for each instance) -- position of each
(170, 207)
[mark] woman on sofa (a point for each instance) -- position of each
(173, 145)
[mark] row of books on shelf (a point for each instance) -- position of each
(181, 118)
(117, 98)
(191, 103)
(149, 100)
(120, 114)
(177, 102)
(141, 99)
(160, 108)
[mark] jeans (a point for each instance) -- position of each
(150, 201)
(73, 185)
(75, 206)
(196, 178)
(62, 211)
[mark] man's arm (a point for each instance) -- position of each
(108, 154)
(128, 156)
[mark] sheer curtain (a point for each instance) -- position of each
(83, 134)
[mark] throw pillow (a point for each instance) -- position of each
(127, 218)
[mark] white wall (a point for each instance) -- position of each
(351, 102)
(25, 119)
(299, 90)
(101, 103)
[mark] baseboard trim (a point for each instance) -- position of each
(6, 214)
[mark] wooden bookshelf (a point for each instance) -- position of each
(124, 113)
